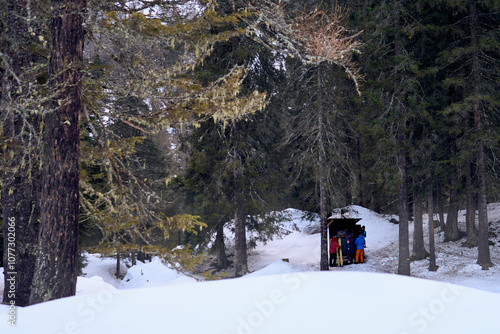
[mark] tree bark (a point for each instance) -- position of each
(56, 268)
(484, 258)
(322, 177)
(404, 242)
(117, 266)
(21, 181)
(451, 232)
(419, 252)
(432, 248)
(442, 224)
(220, 248)
(133, 256)
(470, 217)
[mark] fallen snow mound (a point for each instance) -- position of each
(296, 302)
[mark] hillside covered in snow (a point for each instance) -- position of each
(286, 297)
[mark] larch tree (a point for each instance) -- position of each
(56, 266)
(49, 98)
(171, 44)
(23, 50)
(315, 38)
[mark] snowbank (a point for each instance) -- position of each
(304, 302)
(285, 297)
(152, 274)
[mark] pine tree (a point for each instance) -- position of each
(313, 37)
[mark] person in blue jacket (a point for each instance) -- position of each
(360, 248)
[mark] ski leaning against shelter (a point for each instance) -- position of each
(334, 246)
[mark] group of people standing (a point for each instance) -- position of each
(355, 246)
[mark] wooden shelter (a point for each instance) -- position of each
(345, 230)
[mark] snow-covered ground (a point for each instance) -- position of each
(457, 264)
(286, 297)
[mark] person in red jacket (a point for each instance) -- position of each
(334, 245)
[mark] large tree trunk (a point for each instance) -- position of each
(323, 213)
(419, 252)
(21, 181)
(21, 210)
(404, 242)
(484, 258)
(470, 218)
(56, 268)
(322, 177)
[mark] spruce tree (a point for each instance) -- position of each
(231, 169)
(465, 64)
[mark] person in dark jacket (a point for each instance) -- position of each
(334, 245)
(352, 247)
(360, 248)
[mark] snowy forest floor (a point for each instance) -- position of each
(278, 296)
(457, 263)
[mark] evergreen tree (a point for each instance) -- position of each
(232, 164)
(316, 38)
(395, 100)
(466, 63)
